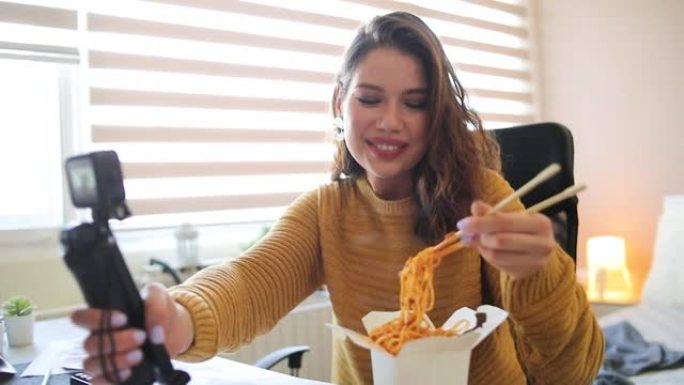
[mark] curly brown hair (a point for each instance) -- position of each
(449, 176)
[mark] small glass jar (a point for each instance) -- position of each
(187, 245)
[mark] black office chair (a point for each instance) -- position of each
(528, 149)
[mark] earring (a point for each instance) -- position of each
(338, 125)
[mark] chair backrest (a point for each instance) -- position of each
(528, 149)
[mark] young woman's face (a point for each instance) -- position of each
(386, 122)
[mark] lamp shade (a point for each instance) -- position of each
(606, 252)
(609, 278)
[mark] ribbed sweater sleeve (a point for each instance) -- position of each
(232, 303)
(558, 339)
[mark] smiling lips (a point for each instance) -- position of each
(386, 149)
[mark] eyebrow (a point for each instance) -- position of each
(373, 87)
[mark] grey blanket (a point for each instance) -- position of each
(607, 377)
(628, 354)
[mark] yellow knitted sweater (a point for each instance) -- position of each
(343, 236)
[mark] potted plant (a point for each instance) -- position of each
(19, 318)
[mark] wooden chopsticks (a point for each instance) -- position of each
(449, 244)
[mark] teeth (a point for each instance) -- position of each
(387, 147)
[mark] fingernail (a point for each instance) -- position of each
(134, 357)
(462, 223)
(118, 320)
(139, 336)
(124, 374)
(467, 239)
(157, 335)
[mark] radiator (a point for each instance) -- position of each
(303, 326)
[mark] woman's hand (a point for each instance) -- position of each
(166, 322)
(520, 244)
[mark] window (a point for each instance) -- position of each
(219, 109)
(30, 149)
(39, 80)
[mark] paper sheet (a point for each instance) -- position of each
(63, 356)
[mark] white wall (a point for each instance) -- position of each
(613, 72)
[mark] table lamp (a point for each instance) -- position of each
(609, 279)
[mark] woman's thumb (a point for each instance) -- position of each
(157, 302)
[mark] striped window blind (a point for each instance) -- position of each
(219, 109)
(39, 30)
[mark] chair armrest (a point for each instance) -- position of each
(292, 353)
(166, 268)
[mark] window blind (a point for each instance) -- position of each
(219, 108)
(218, 112)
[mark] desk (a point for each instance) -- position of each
(215, 371)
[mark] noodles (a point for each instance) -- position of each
(416, 298)
(417, 295)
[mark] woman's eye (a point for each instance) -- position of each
(417, 104)
(368, 101)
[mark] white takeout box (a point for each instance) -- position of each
(427, 361)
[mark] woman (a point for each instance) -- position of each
(411, 158)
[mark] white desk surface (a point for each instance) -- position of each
(218, 370)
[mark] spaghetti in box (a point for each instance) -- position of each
(435, 360)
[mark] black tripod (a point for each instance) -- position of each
(94, 258)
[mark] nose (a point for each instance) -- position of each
(390, 117)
